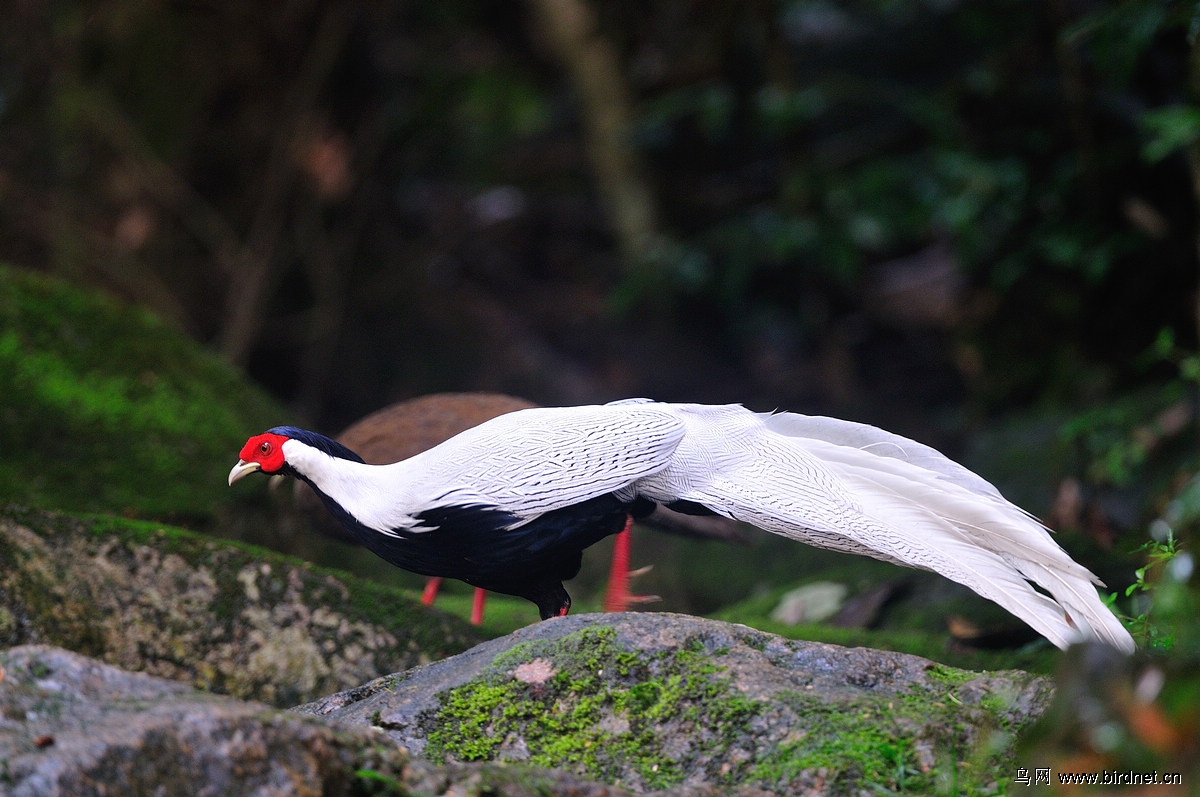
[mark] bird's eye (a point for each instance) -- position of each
(265, 448)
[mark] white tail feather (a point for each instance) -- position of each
(855, 488)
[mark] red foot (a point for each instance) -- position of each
(477, 606)
(617, 598)
(431, 591)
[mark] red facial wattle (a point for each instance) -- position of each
(266, 449)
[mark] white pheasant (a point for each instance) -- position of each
(509, 505)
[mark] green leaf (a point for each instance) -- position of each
(1169, 129)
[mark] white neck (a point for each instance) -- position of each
(376, 495)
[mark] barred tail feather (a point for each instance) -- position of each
(856, 488)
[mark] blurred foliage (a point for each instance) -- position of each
(1114, 717)
(1120, 436)
(1169, 130)
(105, 408)
(1016, 139)
(350, 198)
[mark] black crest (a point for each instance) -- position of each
(318, 441)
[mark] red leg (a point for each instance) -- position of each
(431, 591)
(617, 597)
(477, 606)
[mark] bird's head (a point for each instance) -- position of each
(263, 452)
(269, 452)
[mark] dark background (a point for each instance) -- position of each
(902, 212)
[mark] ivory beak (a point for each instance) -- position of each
(241, 469)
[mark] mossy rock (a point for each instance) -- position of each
(105, 408)
(221, 616)
(656, 701)
(75, 726)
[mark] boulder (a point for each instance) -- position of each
(594, 706)
(71, 726)
(217, 615)
(653, 701)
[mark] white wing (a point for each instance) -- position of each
(537, 460)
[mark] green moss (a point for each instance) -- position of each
(584, 703)
(949, 677)
(850, 744)
(876, 741)
(599, 712)
(589, 651)
(106, 408)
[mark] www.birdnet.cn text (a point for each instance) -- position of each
(1039, 776)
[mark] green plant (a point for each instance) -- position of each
(1123, 445)
(379, 782)
(1145, 625)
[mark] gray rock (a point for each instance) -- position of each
(652, 701)
(216, 615)
(599, 705)
(74, 727)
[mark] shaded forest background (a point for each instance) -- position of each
(911, 213)
(944, 218)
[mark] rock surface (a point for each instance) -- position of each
(636, 704)
(74, 727)
(216, 615)
(589, 705)
(652, 701)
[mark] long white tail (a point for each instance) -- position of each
(852, 487)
